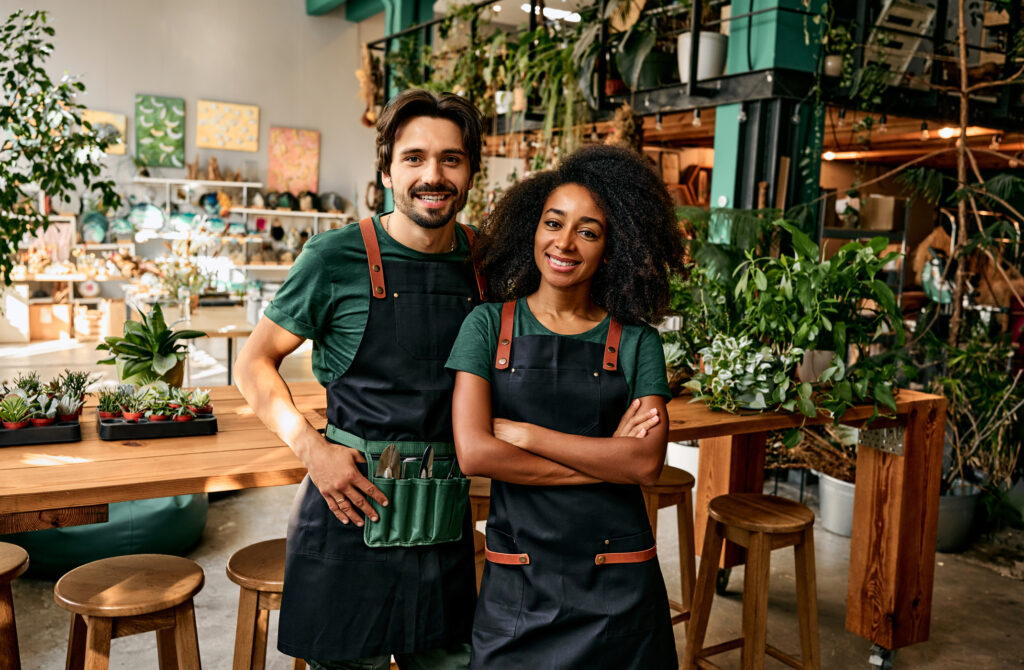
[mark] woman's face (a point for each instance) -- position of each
(569, 243)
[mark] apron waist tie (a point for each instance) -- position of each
(506, 559)
(627, 556)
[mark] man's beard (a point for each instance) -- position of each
(430, 219)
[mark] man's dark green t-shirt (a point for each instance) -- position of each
(326, 297)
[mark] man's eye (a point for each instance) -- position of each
(412, 159)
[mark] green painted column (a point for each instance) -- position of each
(774, 39)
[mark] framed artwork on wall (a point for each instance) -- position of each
(160, 131)
(110, 122)
(294, 162)
(224, 125)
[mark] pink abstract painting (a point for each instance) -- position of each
(294, 164)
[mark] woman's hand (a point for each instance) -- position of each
(513, 432)
(635, 423)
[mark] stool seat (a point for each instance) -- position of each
(672, 480)
(480, 498)
(759, 513)
(259, 566)
(13, 562)
(128, 585)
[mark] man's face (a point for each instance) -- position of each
(429, 173)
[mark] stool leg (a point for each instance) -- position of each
(755, 602)
(76, 643)
(687, 548)
(248, 606)
(185, 637)
(97, 643)
(298, 664)
(652, 500)
(259, 647)
(807, 601)
(166, 649)
(10, 659)
(700, 608)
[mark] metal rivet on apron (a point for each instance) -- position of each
(376, 268)
(379, 290)
(607, 541)
(504, 342)
(513, 369)
(595, 374)
(469, 300)
(396, 295)
(611, 349)
(522, 559)
(600, 560)
(503, 360)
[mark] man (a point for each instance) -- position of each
(382, 302)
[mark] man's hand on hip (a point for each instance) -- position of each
(335, 473)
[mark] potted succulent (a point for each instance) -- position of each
(68, 408)
(199, 402)
(75, 383)
(149, 350)
(109, 403)
(15, 411)
(134, 405)
(183, 413)
(159, 408)
(29, 383)
(44, 410)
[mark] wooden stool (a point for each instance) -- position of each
(259, 570)
(13, 562)
(480, 498)
(479, 543)
(126, 595)
(675, 487)
(760, 523)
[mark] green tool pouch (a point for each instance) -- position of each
(420, 511)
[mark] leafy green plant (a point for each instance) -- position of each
(110, 400)
(741, 373)
(28, 382)
(69, 404)
(75, 382)
(148, 347)
(47, 146)
(45, 407)
(14, 408)
(137, 401)
(199, 398)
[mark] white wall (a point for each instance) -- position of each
(299, 69)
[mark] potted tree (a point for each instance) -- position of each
(149, 350)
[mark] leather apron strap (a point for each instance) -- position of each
(481, 280)
(377, 289)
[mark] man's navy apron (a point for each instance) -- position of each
(572, 578)
(343, 600)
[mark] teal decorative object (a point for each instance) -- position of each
(160, 131)
(94, 227)
(121, 227)
(146, 216)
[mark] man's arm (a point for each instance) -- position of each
(481, 453)
(332, 467)
(633, 455)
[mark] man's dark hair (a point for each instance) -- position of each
(418, 102)
(643, 238)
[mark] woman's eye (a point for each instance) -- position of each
(552, 224)
(588, 234)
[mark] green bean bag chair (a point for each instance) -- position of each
(155, 526)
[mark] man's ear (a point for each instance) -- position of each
(385, 179)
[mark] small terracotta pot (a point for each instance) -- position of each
(15, 426)
(132, 417)
(183, 418)
(110, 415)
(158, 417)
(42, 422)
(68, 418)
(173, 405)
(205, 409)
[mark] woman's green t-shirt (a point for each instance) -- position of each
(640, 354)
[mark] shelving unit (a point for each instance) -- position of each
(167, 183)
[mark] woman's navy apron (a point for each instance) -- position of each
(343, 600)
(572, 578)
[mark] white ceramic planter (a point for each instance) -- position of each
(710, 56)
(813, 364)
(833, 65)
(836, 501)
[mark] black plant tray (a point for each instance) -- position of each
(56, 432)
(119, 429)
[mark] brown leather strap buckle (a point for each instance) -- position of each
(373, 258)
(481, 280)
(611, 346)
(627, 556)
(506, 559)
(504, 354)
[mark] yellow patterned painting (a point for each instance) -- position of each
(223, 125)
(118, 122)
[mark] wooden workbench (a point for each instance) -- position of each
(892, 550)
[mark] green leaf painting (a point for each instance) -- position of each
(160, 131)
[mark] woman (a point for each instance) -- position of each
(560, 399)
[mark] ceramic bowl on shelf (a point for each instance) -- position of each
(332, 202)
(309, 201)
(288, 201)
(270, 199)
(121, 227)
(257, 201)
(146, 216)
(208, 201)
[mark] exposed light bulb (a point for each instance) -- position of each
(696, 117)
(742, 116)
(657, 121)
(882, 127)
(829, 155)
(842, 118)
(924, 131)
(994, 143)
(947, 132)
(496, 8)
(502, 148)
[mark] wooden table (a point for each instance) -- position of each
(228, 322)
(892, 551)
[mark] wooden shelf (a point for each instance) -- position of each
(197, 182)
(861, 234)
(287, 212)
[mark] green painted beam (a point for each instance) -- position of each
(360, 10)
(320, 7)
(727, 166)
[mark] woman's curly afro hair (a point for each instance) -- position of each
(643, 238)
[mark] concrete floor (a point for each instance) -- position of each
(975, 618)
